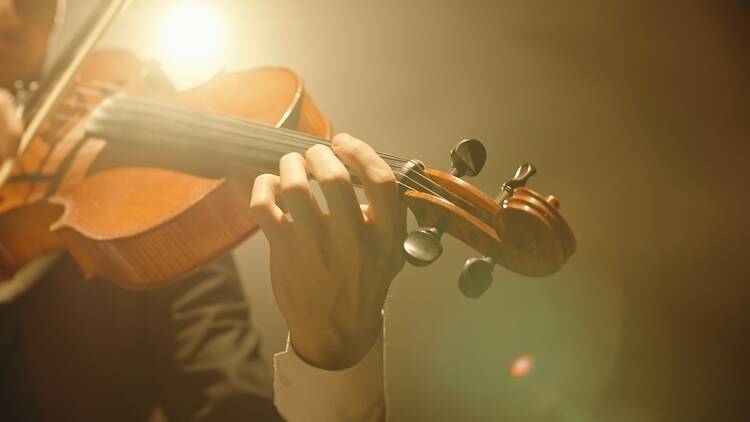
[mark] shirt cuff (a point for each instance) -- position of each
(305, 393)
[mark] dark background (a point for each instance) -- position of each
(637, 115)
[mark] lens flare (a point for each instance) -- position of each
(191, 43)
(521, 366)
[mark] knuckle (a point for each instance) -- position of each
(316, 149)
(257, 199)
(295, 187)
(351, 146)
(292, 157)
(334, 177)
(293, 182)
(264, 179)
(357, 147)
(383, 178)
(259, 206)
(341, 139)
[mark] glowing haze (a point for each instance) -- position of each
(191, 41)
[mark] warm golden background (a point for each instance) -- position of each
(637, 114)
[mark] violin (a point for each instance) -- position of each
(142, 184)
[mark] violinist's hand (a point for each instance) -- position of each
(10, 126)
(331, 272)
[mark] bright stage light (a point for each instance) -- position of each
(191, 43)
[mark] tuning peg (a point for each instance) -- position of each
(467, 158)
(522, 176)
(422, 247)
(476, 276)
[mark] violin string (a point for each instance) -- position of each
(231, 125)
(57, 120)
(97, 88)
(397, 169)
(398, 182)
(237, 137)
(102, 89)
(243, 126)
(455, 199)
(400, 173)
(62, 117)
(397, 165)
(78, 105)
(82, 106)
(104, 85)
(93, 91)
(198, 121)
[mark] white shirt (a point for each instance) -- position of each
(306, 393)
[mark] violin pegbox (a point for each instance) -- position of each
(519, 229)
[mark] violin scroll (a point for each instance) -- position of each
(519, 230)
(536, 239)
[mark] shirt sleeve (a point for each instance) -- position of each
(305, 393)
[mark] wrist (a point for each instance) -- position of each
(332, 349)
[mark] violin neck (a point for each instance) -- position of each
(144, 122)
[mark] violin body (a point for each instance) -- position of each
(149, 216)
(25, 212)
